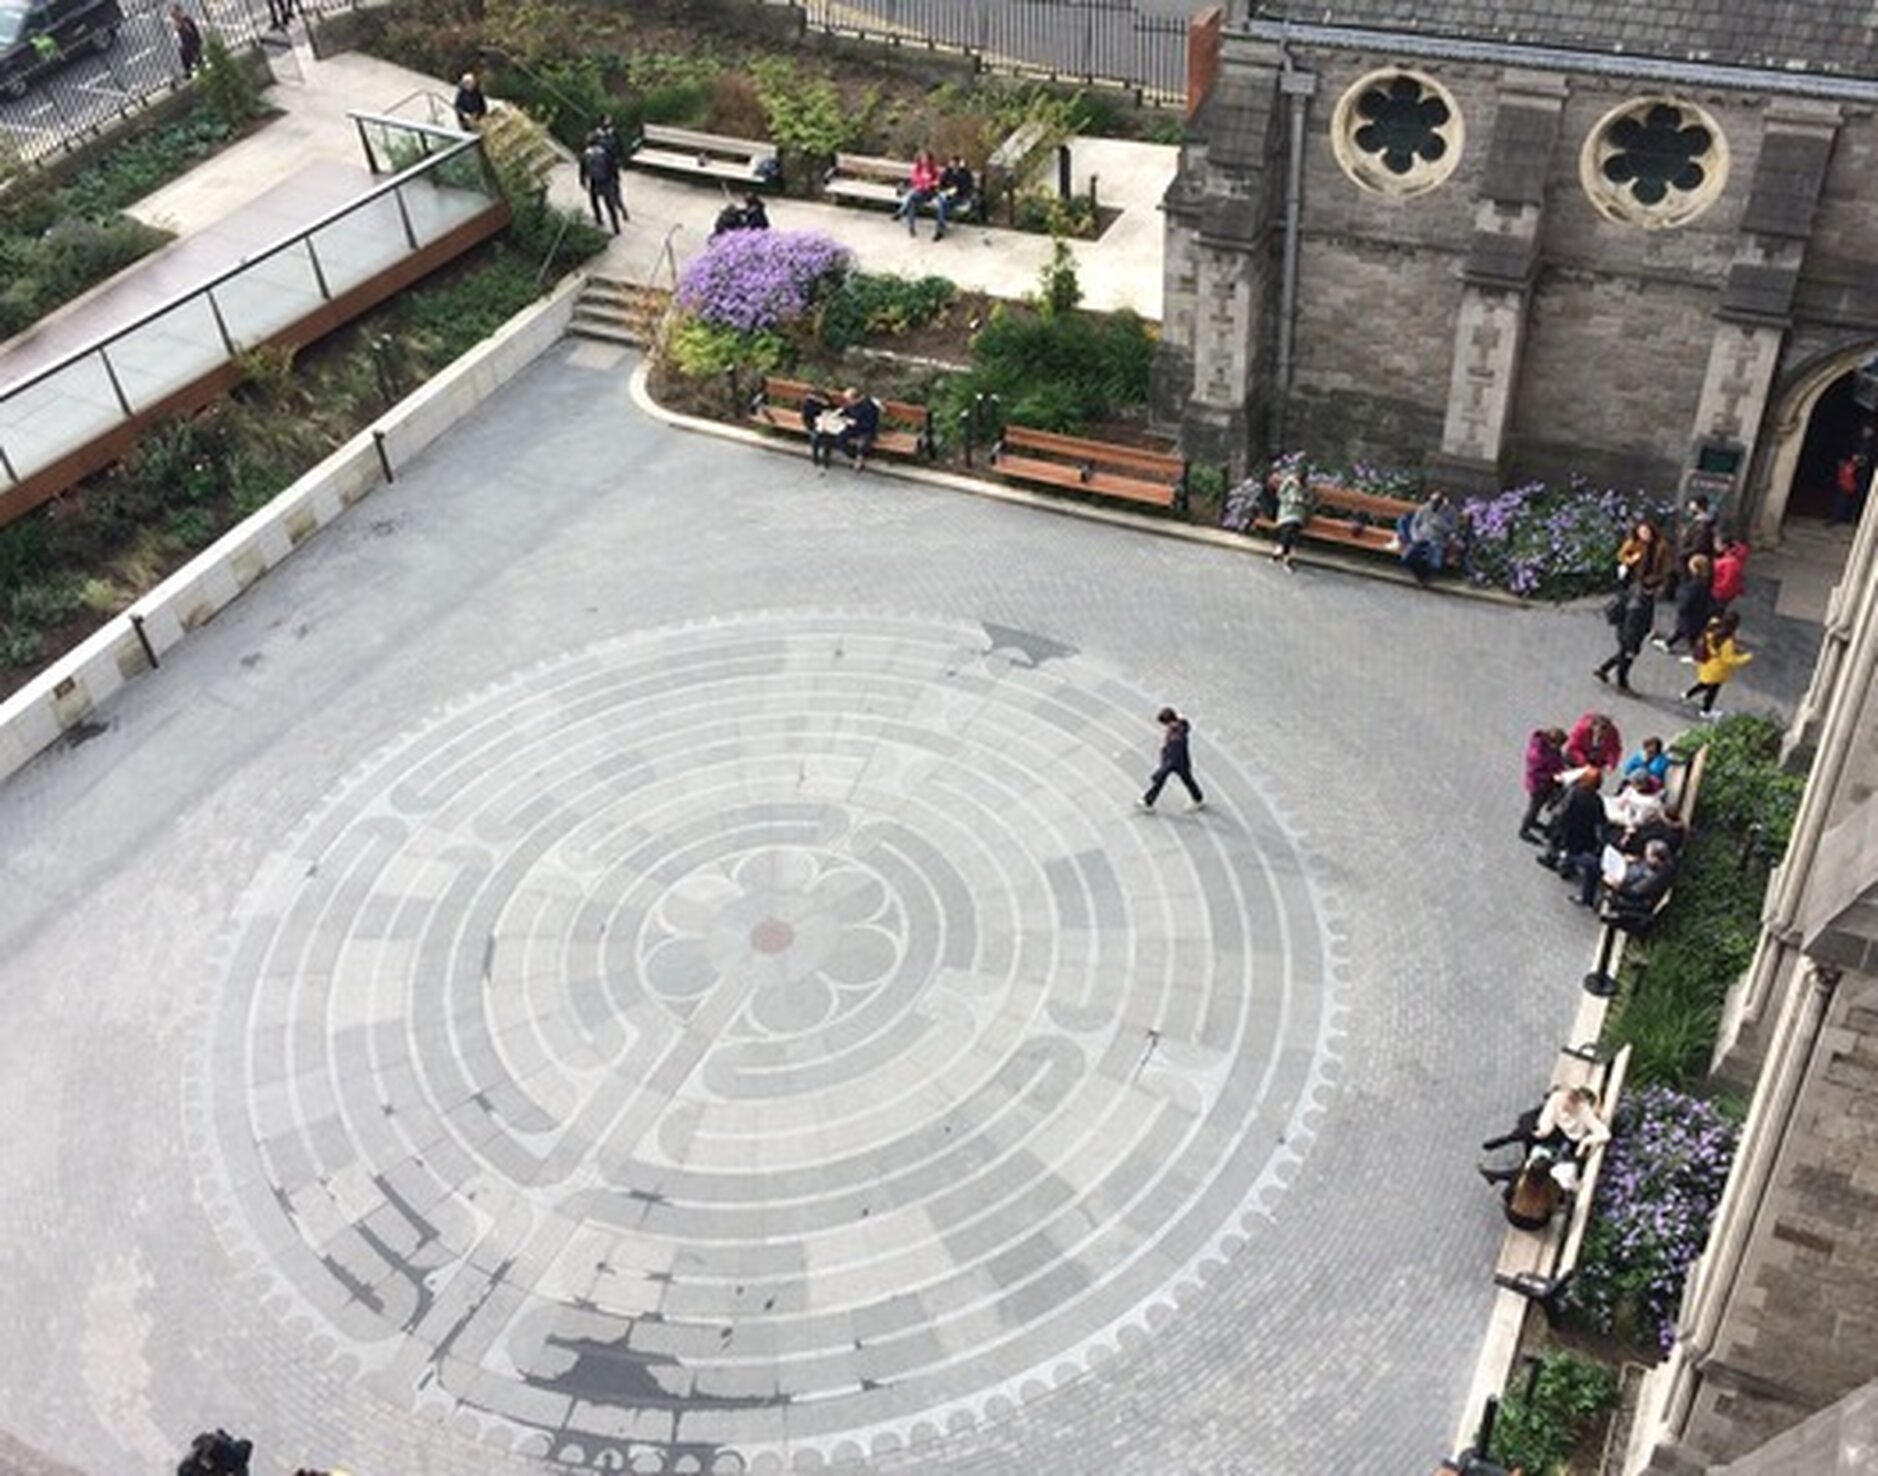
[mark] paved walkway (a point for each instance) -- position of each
(1122, 269)
(624, 949)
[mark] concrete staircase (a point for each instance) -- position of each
(617, 311)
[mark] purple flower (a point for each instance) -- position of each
(751, 280)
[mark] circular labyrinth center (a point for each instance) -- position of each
(773, 1037)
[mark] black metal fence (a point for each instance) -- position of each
(1115, 42)
(96, 88)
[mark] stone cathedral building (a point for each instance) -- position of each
(1494, 238)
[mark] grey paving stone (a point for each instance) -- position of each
(570, 689)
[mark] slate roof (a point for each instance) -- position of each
(1828, 36)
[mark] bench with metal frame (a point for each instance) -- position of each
(745, 161)
(1099, 467)
(905, 429)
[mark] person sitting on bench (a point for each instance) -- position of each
(1556, 1135)
(1424, 536)
(957, 189)
(1644, 882)
(922, 187)
(862, 416)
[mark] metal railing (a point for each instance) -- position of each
(83, 396)
(1096, 42)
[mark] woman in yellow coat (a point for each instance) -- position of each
(1717, 657)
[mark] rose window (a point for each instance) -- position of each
(1397, 133)
(1656, 162)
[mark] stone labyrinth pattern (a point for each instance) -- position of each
(751, 1045)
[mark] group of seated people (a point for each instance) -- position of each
(847, 423)
(950, 191)
(747, 214)
(1619, 851)
(1554, 1139)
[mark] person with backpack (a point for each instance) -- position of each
(216, 1453)
(1717, 659)
(1632, 611)
(599, 172)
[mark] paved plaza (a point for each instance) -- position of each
(627, 955)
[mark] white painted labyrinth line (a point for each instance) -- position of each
(744, 1041)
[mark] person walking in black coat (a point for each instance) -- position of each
(1633, 612)
(1695, 603)
(1176, 760)
(599, 172)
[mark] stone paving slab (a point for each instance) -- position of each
(615, 873)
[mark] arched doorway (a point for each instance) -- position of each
(1819, 422)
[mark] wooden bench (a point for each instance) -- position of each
(711, 155)
(1683, 785)
(1005, 169)
(1350, 519)
(905, 429)
(1026, 455)
(1540, 1264)
(867, 179)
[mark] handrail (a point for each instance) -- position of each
(435, 130)
(287, 243)
(667, 257)
(438, 102)
(541, 273)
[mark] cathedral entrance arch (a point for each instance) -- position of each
(1817, 422)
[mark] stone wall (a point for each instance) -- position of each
(1612, 374)
(1587, 342)
(1802, 1327)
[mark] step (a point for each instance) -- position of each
(606, 333)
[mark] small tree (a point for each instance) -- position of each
(1061, 287)
(230, 89)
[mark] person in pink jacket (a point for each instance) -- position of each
(1594, 740)
(922, 188)
(1545, 761)
(1729, 575)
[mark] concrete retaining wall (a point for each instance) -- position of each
(69, 691)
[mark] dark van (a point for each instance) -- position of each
(39, 35)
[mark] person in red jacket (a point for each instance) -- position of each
(1729, 575)
(1594, 742)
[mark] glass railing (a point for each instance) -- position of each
(438, 179)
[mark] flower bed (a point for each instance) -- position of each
(1533, 540)
(1663, 1177)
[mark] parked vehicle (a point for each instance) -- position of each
(38, 36)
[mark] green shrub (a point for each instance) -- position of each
(699, 348)
(227, 85)
(1057, 373)
(135, 166)
(1538, 1433)
(47, 600)
(20, 646)
(687, 104)
(865, 305)
(803, 114)
(25, 547)
(1743, 787)
(1677, 979)
(1059, 288)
